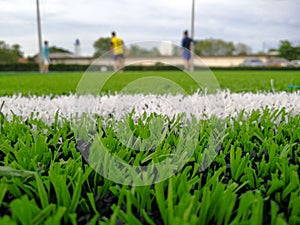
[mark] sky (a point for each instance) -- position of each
(261, 24)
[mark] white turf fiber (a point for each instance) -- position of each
(222, 105)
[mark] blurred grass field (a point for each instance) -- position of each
(65, 83)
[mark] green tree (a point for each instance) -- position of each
(101, 46)
(214, 47)
(242, 49)
(136, 50)
(286, 50)
(54, 49)
(9, 54)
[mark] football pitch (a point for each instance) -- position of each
(65, 83)
(239, 168)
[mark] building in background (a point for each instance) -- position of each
(77, 50)
(166, 48)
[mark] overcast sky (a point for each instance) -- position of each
(258, 23)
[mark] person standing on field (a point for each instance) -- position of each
(117, 50)
(186, 44)
(45, 57)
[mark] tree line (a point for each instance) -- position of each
(10, 54)
(207, 47)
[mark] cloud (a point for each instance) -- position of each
(250, 21)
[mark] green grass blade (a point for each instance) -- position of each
(43, 196)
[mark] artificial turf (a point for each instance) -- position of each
(65, 83)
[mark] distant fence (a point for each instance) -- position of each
(211, 61)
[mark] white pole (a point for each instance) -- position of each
(39, 35)
(192, 35)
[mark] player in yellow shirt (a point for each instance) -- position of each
(117, 49)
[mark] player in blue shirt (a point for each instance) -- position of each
(186, 44)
